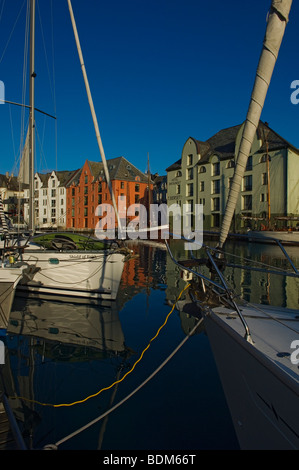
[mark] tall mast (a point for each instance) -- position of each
(93, 113)
(32, 117)
(277, 20)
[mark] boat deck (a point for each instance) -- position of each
(266, 325)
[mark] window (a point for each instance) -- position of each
(122, 185)
(189, 160)
(263, 158)
(190, 189)
(247, 202)
(189, 206)
(86, 179)
(201, 186)
(189, 175)
(36, 185)
(230, 164)
(61, 190)
(44, 202)
(85, 189)
(85, 211)
(216, 220)
(85, 200)
(249, 164)
(215, 204)
(100, 199)
(264, 178)
(53, 193)
(247, 183)
(178, 174)
(45, 192)
(53, 213)
(216, 169)
(73, 191)
(202, 201)
(202, 169)
(216, 187)
(262, 197)
(53, 203)
(137, 188)
(100, 188)
(137, 198)
(178, 189)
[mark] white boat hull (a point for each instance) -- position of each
(95, 326)
(94, 275)
(9, 278)
(260, 382)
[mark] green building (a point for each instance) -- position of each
(270, 186)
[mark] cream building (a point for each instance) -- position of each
(204, 171)
(49, 199)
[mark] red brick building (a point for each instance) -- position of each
(88, 189)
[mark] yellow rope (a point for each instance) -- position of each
(117, 381)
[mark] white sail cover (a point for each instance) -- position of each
(23, 176)
(277, 19)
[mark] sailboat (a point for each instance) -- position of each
(255, 346)
(91, 273)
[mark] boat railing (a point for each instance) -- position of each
(222, 285)
(215, 254)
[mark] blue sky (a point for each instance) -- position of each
(160, 71)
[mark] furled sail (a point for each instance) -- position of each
(23, 176)
(277, 19)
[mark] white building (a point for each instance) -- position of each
(50, 199)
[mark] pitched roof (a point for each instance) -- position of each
(119, 169)
(63, 176)
(10, 182)
(223, 144)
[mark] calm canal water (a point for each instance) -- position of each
(61, 353)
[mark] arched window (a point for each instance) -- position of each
(178, 173)
(230, 164)
(263, 158)
(202, 169)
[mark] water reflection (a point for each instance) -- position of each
(59, 352)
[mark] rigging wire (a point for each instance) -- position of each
(12, 31)
(113, 408)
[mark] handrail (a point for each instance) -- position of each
(223, 287)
